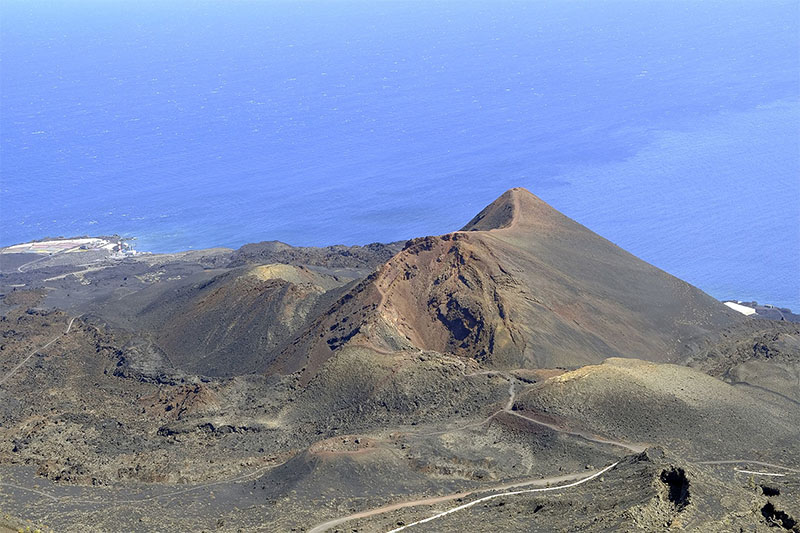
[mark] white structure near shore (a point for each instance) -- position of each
(63, 246)
(741, 308)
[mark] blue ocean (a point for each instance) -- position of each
(670, 128)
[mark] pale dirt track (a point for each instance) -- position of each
(745, 461)
(635, 448)
(632, 447)
(21, 267)
(512, 493)
(758, 473)
(441, 499)
(34, 352)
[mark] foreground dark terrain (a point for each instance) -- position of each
(523, 372)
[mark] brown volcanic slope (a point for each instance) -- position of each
(231, 323)
(694, 414)
(521, 285)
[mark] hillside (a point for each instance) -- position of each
(693, 413)
(520, 286)
(231, 324)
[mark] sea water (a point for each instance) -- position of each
(670, 128)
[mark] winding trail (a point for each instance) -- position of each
(20, 268)
(440, 499)
(635, 448)
(512, 493)
(745, 461)
(769, 391)
(39, 492)
(44, 256)
(37, 350)
(509, 408)
(21, 363)
(758, 473)
(77, 273)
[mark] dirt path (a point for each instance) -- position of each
(758, 473)
(21, 363)
(745, 461)
(27, 489)
(441, 499)
(509, 404)
(77, 273)
(69, 326)
(47, 256)
(21, 267)
(632, 447)
(635, 448)
(37, 350)
(512, 493)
